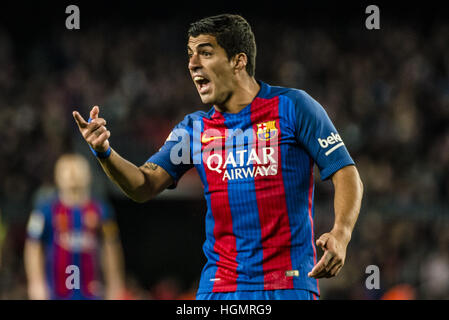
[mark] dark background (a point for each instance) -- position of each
(386, 90)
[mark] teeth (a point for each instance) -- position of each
(198, 78)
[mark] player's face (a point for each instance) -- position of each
(211, 70)
(72, 174)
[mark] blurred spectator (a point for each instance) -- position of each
(435, 276)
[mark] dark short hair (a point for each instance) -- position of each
(233, 34)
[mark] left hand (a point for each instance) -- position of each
(333, 259)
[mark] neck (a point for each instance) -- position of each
(72, 198)
(246, 90)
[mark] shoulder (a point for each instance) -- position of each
(98, 204)
(294, 96)
(298, 97)
(102, 207)
(45, 206)
(190, 118)
(296, 102)
(40, 217)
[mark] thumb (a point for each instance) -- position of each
(94, 112)
(321, 242)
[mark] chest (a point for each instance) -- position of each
(245, 146)
(75, 229)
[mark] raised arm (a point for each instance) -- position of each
(347, 202)
(138, 183)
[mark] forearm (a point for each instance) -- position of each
(127, 176)
(34, 269)
(113, 269)
(138, 183)
(347, 201)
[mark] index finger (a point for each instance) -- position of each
(94, 112)
(79, 120)
(319, 267)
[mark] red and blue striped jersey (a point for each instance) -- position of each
(71, 236)
(256, 167)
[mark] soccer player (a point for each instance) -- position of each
(254, 150)
(72, 241)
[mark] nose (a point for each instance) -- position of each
(194, 63)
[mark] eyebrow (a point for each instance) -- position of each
(202, 45)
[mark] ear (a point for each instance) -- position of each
(240, 60)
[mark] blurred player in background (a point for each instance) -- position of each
(72, 229)
(254, 151)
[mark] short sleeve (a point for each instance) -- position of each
(109, 225)
(175, 155)
(106, 211)
(38, 225)
(317, 134)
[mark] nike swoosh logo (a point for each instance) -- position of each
(205, 139)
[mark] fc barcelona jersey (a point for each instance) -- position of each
(71, 238)
(256, 167)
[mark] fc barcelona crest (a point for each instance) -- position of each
(267, 130)
(61, 222)
(90, 219)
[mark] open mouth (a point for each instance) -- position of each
(202, 83)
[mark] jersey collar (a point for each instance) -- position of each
(263, 93)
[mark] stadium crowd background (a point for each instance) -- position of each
(387, 92)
